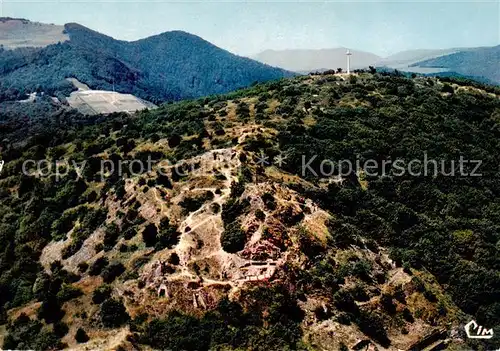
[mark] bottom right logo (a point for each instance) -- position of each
(476, 331)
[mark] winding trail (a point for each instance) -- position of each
(203, 217)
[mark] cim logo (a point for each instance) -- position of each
(476, 331)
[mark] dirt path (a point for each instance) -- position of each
(204, 219)
(161, 202)
(206, 226)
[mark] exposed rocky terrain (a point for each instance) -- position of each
(220, 248)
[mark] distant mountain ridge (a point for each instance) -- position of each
(20, 32)
(481, 63)
(300, 60)
(405, 59)
(170, 66)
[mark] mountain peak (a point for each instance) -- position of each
(169, 66)
(174, 35)
(77, 31)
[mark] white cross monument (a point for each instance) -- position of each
(348, 54)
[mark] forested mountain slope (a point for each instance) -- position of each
(232, 250)
(170, 66)
(313, 60)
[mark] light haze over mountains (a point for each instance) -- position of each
(481, 63)
(252, 26)
(311, 60)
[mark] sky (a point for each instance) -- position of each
(249, 27)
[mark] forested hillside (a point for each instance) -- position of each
(95, 258)
(170, 66)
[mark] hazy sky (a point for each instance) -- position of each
(247, 27)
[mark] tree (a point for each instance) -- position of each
(120, 189)
(168, 236)
(101, 294)
(388, 304)
(345, 302)
(177, 332)
(372, 325)
(60, 329)
(111, 272)
(81, 336)
(82, 267)
(68, 292)
(233, 238)
(50, 310)
(111, 235)
(163, 180)
(269, 201)
(447, 88)
(149, 235)
(260, 215)
(113, 313)
(97, 267)
(174, 140)
(25, 333)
